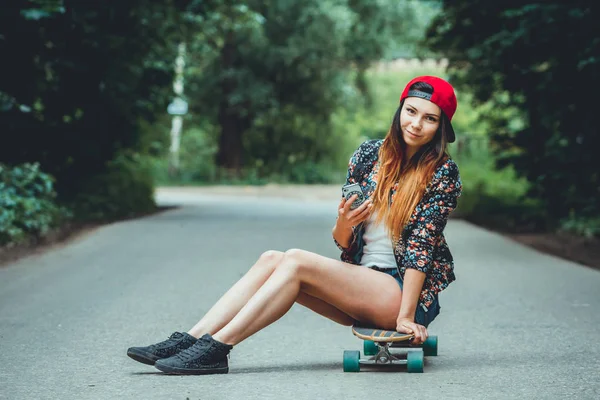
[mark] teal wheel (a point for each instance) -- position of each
(430, 347)
(414, 361)
(370, 348)
(351, 361)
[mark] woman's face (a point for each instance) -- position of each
(419, 120)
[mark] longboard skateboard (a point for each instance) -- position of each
(377, 343)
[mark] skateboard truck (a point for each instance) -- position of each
(377, 344)
(413, 361)
(384, 355)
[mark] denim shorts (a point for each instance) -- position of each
(422, 317)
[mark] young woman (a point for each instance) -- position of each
(393, 249)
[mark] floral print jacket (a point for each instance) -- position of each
(422, 245)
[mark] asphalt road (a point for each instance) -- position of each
(516, 324)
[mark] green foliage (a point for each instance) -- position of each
(124, 189)
(581, 226)
(270, 75)
(537, 74)
(379, 28)
(80, 84)
(310, 173)
(278, 90)
(78, 78)
(42, 9)
(197, 166)
(282, 66)
(498, 198)
(196, 158)
(27, 203)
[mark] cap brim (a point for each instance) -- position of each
(451, 134)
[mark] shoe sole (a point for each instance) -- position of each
(141, 356)
(183, 371)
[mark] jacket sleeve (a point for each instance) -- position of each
(431, 215)
(347, 253)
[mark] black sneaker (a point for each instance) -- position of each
(207, 356)
(174, 344)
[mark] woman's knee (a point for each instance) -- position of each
(269, 259)
(295, 254)
(272, 256)
(293, 260)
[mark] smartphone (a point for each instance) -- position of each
(352, 189)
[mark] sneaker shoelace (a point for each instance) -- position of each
(202, 346)
(172, 340)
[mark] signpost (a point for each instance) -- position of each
(177, 109)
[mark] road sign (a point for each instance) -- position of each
(178, 107)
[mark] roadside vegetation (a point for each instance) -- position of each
(283, 92)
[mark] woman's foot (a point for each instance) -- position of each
(206, 356)
(177, 342)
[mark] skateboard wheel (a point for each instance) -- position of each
(430, 346)
(414, 361)
(351, 361)
(370, 348)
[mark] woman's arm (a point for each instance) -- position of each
(342, 235)
(343, 231)
(411, 290)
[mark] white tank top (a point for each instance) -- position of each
(378, 250)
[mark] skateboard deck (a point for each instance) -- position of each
(379, 335)
(377, 344)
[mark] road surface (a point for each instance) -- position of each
(515, 324)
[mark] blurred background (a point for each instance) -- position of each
(103, 101)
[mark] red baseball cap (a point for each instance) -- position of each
(443, 96)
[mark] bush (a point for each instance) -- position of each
(587, 227)
(125, 189)
(196, 157)
(498, 199)
(312, 173)
(27, 203)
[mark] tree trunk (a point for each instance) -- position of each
(229, 155)
(362, 84)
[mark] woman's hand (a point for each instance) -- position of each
(348, 218)
(407, 325)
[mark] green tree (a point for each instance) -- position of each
(537, 63)
(270, 74)
(263, 66)
(384, 29)
(77, 78)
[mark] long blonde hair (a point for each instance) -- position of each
(412, 176)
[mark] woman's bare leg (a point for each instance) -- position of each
(238, 295)
(324, 309)
(358, 292)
